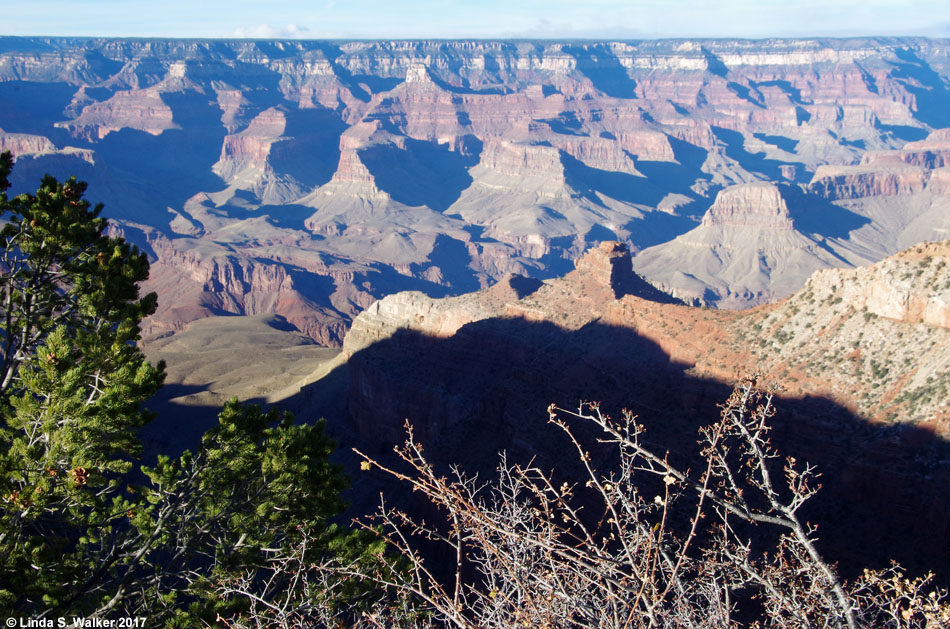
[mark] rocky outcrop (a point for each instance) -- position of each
(875, 338)
(933, 152)
(213, 280)
(755, 207)
(913, 287)
(409, 310)
(537, 167)
(939, 183)
(37, 146)
(352, 189)
(869, 180)
(607, 270)
(887, 173)
(398, 324)
(249, 149)
(25, 144)
(436, 318)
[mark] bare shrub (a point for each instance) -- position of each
(641, 544)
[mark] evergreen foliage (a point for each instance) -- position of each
(86, 530)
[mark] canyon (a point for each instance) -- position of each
(460, 233)
(456, 237)
(310, 179)
(861, 358)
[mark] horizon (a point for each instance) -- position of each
(479, 39)
(488, 20)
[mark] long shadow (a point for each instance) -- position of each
(384, 280)
(566, 123)
(714, 64)
(734, 144)
(124, 197)
(311, 152)
(779, 141)
(30, 170)
(604, 70)
(466, 89)
(746, 93)
(902, 132)
(487, 388)
(680, 175)
(453, 259)
(557, 262)
(96, 67)
(178, 162)
(931, 91)
(352, 83)
(655, 227)
(148, 71)
(259, 85)
(617, 185)
(13, 43)
(814, 214)
(34, 108)
(422, 173)
(794, 94)
(177, 427)
(287, 215)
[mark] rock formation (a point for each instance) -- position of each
(862, 356)
(747, 249)
(886, 173)
(444, 167)
(876, 339)
(894, 314)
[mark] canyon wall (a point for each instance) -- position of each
(862, 359)
(312, 178)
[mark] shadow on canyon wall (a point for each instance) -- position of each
(30, 107)
(886, 490)
(733, 144)
(814, 214)
(599, 64)
(930, 90)
(421, 173)
(487, 388)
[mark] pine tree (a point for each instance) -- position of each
(71, 385)
(83, 529)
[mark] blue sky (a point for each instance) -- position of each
(619, 19)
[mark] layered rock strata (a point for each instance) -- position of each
(445, 166)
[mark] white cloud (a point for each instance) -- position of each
(266, 31)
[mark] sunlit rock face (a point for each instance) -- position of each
(891, 320)
(862, 357)
(313, 178)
